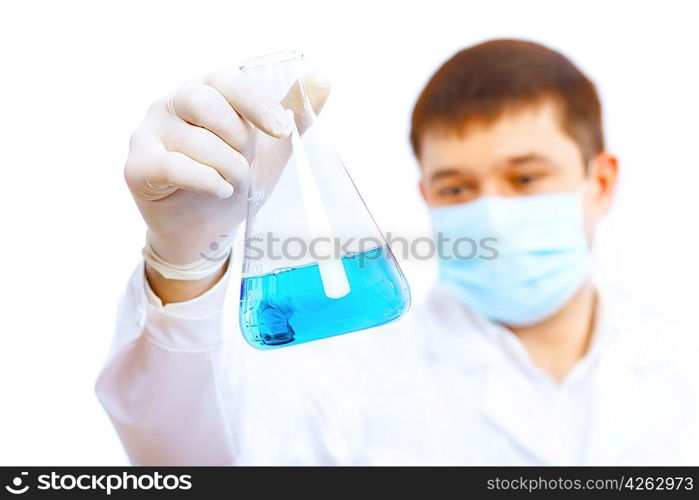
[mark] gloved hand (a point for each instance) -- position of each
(188, 161)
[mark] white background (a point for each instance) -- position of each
(78, 76)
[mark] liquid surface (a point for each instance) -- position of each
(289, 306)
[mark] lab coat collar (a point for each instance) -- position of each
(617, 420)
(639, 347)
(619, 349)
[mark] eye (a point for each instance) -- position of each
(451, 191)
(526, 179)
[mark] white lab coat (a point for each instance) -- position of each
(440, 386)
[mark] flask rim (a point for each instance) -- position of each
(271, 59)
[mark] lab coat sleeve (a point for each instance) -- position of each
(162, 382)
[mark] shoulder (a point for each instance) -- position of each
(649, 335)
(660, 348)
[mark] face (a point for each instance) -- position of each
(525, 152)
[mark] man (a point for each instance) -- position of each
(514, 360)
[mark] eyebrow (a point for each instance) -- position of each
(516, 161)
(512, 162)
(446, 172)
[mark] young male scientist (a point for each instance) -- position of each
(516, 360)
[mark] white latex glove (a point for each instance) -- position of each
(188, 171)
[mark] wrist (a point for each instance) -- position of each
(175, 290)
(179, 248)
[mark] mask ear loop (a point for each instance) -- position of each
(581, 192)
(587, 171)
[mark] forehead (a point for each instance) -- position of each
(532, 129)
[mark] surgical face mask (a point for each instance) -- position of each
(537, 254)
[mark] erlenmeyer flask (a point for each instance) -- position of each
(316, 265)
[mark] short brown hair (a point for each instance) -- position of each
(481, 82)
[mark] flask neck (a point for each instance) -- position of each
(280, 75)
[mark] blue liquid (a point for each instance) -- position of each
(289, 306)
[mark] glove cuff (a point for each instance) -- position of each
(197, 270)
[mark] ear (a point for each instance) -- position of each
(604, 171)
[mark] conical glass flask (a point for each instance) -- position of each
(316, 265)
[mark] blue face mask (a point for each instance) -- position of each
(514, 260)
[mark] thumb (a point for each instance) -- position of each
(317, 89)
